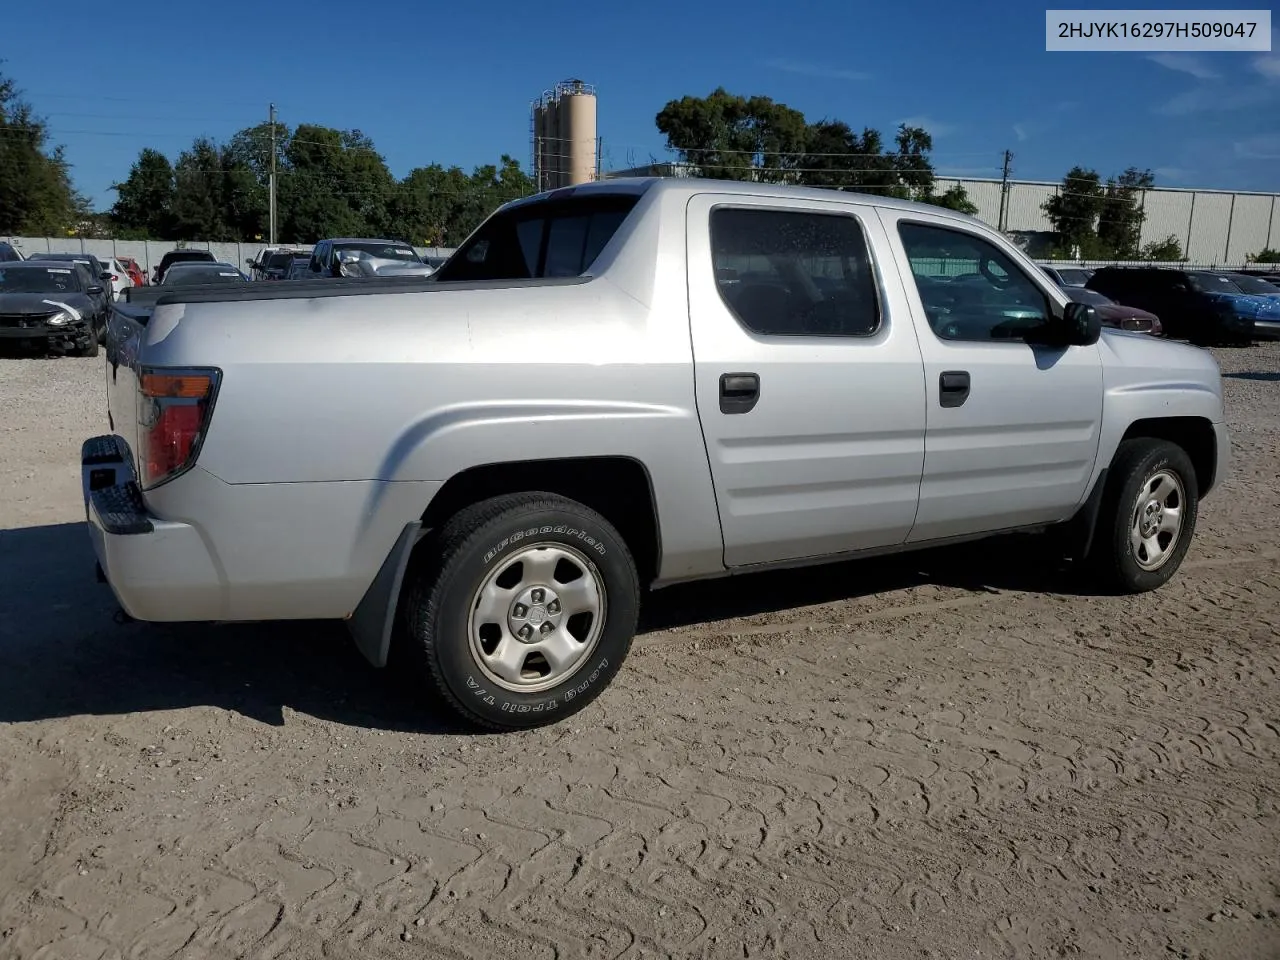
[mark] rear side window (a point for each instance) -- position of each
(8, 254)
(793, 273)
(551, 238)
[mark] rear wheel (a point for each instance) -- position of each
(1148, 516)
(524, 610)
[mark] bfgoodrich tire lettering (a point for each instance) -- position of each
(1148, 516)
(524, 610)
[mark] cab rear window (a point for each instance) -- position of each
(551, 238)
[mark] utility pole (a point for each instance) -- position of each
(1004, 192)
(271, 233)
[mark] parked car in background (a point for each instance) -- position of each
(1196, 305)
(1116, 315)
(180, 256)
(299, 268)
(1271, 274)
(276, 264)
(257, 262)
(1254, 286)
(50, 302)
(136, 273)
(589, 413)
(354, 257)
(1067, 276)
(119, 279)
(9, 253)
(186, 274)
(98, 275)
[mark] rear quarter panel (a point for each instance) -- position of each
(356, 409)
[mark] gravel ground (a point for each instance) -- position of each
(947, 755)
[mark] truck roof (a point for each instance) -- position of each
(692, 185)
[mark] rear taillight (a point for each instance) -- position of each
(173, 414)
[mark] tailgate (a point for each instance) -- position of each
(125, 328)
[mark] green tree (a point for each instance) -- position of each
(955, 198)
(838, 158)
(334, 184)
(1168, 250)
(1074, 211)
(1265, 255)
(911, 164)
(731, 137)
(144, 201)
(1122, 213)
(36, 194)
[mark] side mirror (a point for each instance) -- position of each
(1081, 326)
(95, 290)
(105, 275)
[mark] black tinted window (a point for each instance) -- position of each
(787, 273)
(969, 288)
(8, 254)
(550, 238)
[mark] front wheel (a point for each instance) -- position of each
(1148, 516)
(525, 609)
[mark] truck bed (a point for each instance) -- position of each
(145, 298)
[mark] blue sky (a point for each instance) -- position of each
(452, 83)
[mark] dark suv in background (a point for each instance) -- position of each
(1196, 305)
(180, 256)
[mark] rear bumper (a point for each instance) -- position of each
(197, 548)
(1266, 329)
(158, 569)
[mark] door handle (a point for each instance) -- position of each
(953, 388)
(739, 392)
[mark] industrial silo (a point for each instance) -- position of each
(576, 120)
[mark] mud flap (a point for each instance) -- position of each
(1081, 527)
(372, 622)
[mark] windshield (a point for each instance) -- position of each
(382, 250)
(204, 273)
(38, 280)
(1213, 283)
(1091, 297)
(1254, 285)
(279, 260)
(87, 262)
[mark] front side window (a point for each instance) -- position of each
(794, 273)
(970, 289)
(549, 238)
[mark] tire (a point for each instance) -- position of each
(522, 549)
(1144, 472)
(90, 349)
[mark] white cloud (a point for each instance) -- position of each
(817, 70)
(1216, 98)
(1172, 174)
(1269, 63)
(1185, 63)
(1021, 131)
(1265, 147)
(935, 128)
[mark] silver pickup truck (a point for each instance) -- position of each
(616, 387)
